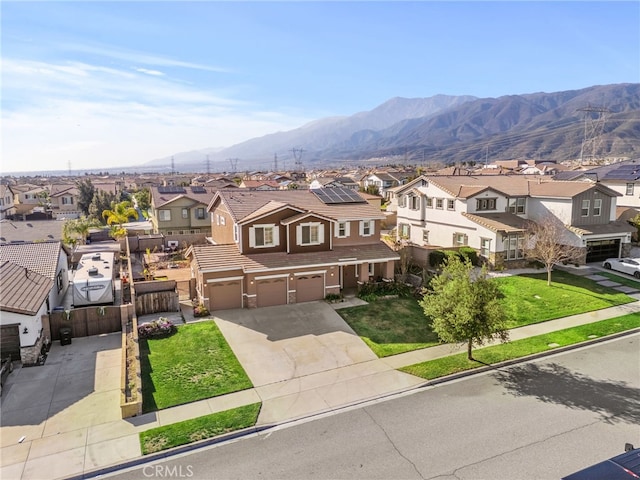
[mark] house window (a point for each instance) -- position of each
(310, 234)
(425, 237)
(516, 205)
(415, 202)
(585, 208)
(428, 201)
(59, 283)
(371, 269)
(343, 230)
(67, 200)
(262, 236)
(366, 228)
(222, 220)
(514, 246)
(459, 239)
(402, 201)
(629, 189)
(185, 213)
(164, 215)
(597, 207)
(486, 204)
(439, 203)
(405, 230)
(485, 247)
(200, 213)
(451, 204)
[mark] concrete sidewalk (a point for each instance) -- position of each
(111, 442)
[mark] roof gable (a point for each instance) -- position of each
(23, 290)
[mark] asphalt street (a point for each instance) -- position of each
(537, 420)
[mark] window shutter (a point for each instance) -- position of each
(321, 233)
(252, 237)
(298, 234)
(346, 228)
(276, 236)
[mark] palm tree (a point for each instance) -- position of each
(77, 229)
(121, 213)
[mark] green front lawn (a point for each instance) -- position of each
(521, 348)
(622, 279)
(201, 428)
(395, 326)
(528, 299)
(193, 364)
(391, 326)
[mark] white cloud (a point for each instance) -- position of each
(100, 117)
(150, 72)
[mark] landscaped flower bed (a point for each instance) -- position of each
(157, 328)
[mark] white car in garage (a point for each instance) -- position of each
(624, 265)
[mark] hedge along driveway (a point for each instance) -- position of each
(193, 364)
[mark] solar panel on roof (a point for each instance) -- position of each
(171, 189)
(198, 189)
(337, 195)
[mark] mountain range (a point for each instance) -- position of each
(594, 122)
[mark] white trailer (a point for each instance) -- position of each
(93, 281)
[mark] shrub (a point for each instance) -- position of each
(436, 258)
(200, 310)
(333, 297)
(371, 291)
(157, 328)
(470, 253)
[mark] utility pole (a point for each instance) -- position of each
(208, 163)
(173, 166)
(297, 157)
(593, 130)
(275, 162)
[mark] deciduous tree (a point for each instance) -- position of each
(464, 305)
(86, 191)
(546, 243)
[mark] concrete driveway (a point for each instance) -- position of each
(285, 342)
(50, 413)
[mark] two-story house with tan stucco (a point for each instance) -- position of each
(288, 246)
(490, 213)
(177, 210)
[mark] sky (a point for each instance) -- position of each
(89, 84)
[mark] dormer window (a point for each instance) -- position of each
(486, 204)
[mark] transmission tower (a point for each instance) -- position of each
(297, 158)
(594, 121)
(234, 164)
(208, 163)
(173, 166)
(275, 162)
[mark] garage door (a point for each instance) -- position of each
(309, 288)
(10, 342)
(272, 291)
(599, 250)
(225, 295)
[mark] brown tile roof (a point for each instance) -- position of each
(242, 203)
(611, 227)
(514, 186)
(161, 199)
(39, 257)
(266, 209)
(23, 290)
(228, 257)
(498, 222)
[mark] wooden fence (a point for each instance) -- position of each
(86, 321)
(149, 303)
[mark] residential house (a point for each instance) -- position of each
(491, 213)
(34, 278)
(180, 210)
(7, 207)
(385, 180)
(260, 184)
(288, 246)
(64, 201)
(622, 177)
(27, 198)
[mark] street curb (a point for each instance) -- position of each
(257, 429)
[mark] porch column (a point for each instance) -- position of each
(389, 269)
(364, 272)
